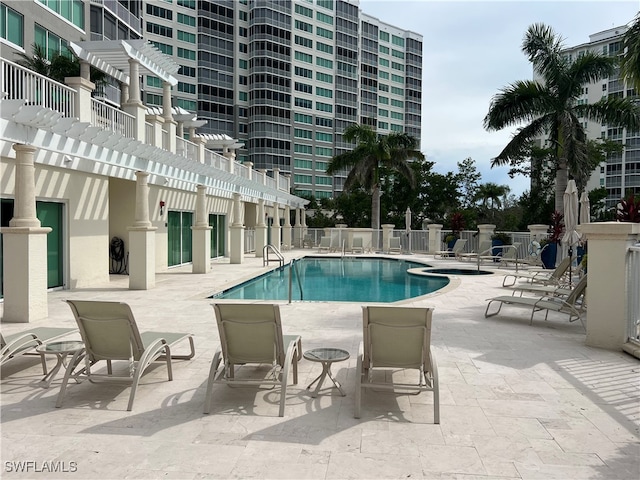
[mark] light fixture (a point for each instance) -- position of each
(162, 207)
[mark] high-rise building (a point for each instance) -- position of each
(285, 78)
(621, 171)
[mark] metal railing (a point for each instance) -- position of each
(20, 83)
(111, 118)
(633, 290)
(186, 149)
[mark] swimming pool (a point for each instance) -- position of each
(350, 279)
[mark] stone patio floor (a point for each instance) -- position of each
(517, 401)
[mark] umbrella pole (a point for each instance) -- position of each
(570, 265)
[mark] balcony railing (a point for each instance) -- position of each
(186, 149)
(110, 118)
(20, 83)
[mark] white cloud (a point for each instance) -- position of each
(471, 50)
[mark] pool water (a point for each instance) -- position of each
(351, 279)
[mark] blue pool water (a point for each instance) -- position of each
(349, 279)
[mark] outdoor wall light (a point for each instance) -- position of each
(162, 207)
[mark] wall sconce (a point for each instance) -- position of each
(162, 207)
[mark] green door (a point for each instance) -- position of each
(179, 237)
(217, 224)
(50, 215)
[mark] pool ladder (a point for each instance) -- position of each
(293, 266)
(270, 249)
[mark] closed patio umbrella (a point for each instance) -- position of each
(585, 208)
(570, 201)
(407, 226)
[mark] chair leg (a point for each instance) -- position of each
(67, 374)
(215, 363)
(134, 387)
(358, 396)
(436, 389)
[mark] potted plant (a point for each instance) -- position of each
(556, 230)
(498, 239)
(456, 222)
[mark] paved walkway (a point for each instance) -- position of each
(517, 401)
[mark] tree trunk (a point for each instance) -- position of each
(562, 178)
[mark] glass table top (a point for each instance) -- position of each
(62, 346)
(326, 355)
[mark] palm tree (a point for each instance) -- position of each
(630, 63)
(373, 151)
(57, 68)
(491, 195)
(551, 107)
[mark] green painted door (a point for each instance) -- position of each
(179, 237)
(217, 224)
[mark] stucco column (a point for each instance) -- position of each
(236, 232)
(387, 232)
(142, 240)
(607, 294)
(435, 237)
(201, 234)
(261, 229)
(83, 87)
(486, 230)
(297, 230)
(276, 177)
(275, 228)
(538, 232)
(25, 248)
(134, 106)
(286, 229)
(169, 122)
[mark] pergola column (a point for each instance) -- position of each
(297, 230)
(236, 244)
(275, 227)
(485, 232)
(201, 234)
(286, 229)
(261, 229)
(134, 106)
(25, 248)
(169, 122)
(142, 237)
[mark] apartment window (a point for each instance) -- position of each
(324, 152)
(163, 47)
(397, 66)
(324, 107)
(243, 32)
(186, 36)
(71, 10)
(322, 166)
(396, 128)
(321, 180)
(153, 81)
(384, 36)
(304, 41)
(383, 87)
(186, 87)
(328, 4)
(243, 48)
(383, 113)
(324, 92)
(302, 118)
(323, 47)
(383, 49)
(302, 133)
(397, 41)
(397, 103)
(324, 62)
(298, 163)
(324, 77)
(160, 30)
(52, 43)
(303, 72)
(153, 99)
(304, 26)
(186, 19)
(384, 75)
(397, 116)
(299, 148)
(188, 4)
(11, 25)
(158, 11)
(244, 64)
(383, 125)
(242, 96)
(187, 71)
(397, 78)
(303, 57)
(303, 87)
(324, 18)
(186, 53)
(323, 32)
(383, 100)
(397, 53)
(302, 179)
(397, 90)
(324, 137)
(303, 102)
(383, 61)
(324, 122)
(243, 16)
(302, 10)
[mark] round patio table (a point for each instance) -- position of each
(326, 356)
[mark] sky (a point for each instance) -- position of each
(472, 49)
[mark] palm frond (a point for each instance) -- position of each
(614, 111)
(630, 63)
(543, 48)
(521, 141)
(522, 101)
(590, 67)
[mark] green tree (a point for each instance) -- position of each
(372, 152)
(491, 195)
(630, 62)
(551, 106)
(469, 178)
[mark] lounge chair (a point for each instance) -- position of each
(396, 338)
(325, 244)
(357, 245)
(455, 251)
(109, 332)
(483, 249)
(543, 277)
(510, 254)
(25, 343)
(573, 304)
(307, 241)
(252, 334)
(394, 245)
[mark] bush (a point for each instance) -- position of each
(502, 236)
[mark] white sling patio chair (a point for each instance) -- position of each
(357, 245)
(483, 249)
(394, 245)
(455, 251)
(25, 343)
(251, 334)
(396, 338)
(544, 277)
(325, 244)
(574, 305)
(109, 332)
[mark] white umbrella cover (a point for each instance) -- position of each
(407, 220)
(585, 208)
(570, 201)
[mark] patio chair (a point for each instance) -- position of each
(325, 244)
(483, 249)
(543, 277)
(109, 332)
(251, 334)
(396, 338)
(455, 251)
(573, 305)
(307, 241)
(510, 254)
(394, 245)
(25, 343)
(357, 245)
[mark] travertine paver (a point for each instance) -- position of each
(517, 401)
